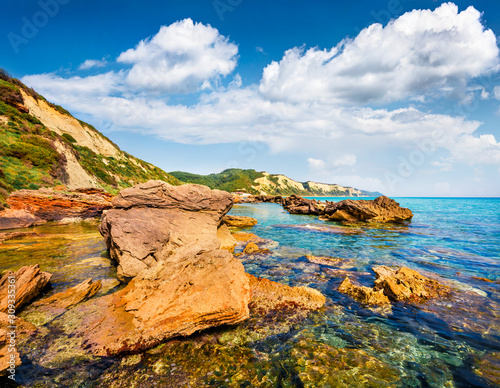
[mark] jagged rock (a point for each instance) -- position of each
(239, 221)
(185, 293)
(323, 260)
(53, 205)
(227, 241)
(252, 248)
(403, 284)
(363, 294)
(381, 209)
(268, 295)
(29, 281)
(14, 219)
(298, 205)
(9, 355)
(407, 284)
(72, 296)
(152, 220)
(192, 284)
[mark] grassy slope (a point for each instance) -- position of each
(242, 180)
(28, 159)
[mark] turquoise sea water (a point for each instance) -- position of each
(453, 342)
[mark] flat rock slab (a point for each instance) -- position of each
(239, 221)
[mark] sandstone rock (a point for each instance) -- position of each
(239, 221)
(29, 281)
(14, 219)
(298, 205)
(154, 219)
(71, 296)
(268, 295)
(363, 294)
(52, 205)
(252, 248)
(407, 284)
(185, 293)
(245, 237)
(22, 329)
(323, 260)
(227, 241)
(381, 209)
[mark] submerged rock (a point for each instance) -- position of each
(407, 284)
(71, 296)
(239, 221)
(363, 294)
(29, 281)
(403, 284)
(323, 260)
(268, 295)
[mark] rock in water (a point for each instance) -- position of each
(381, 209)
(71, 296)
(29, 282)
(185, 293)
(298, 205)
(239, 221)
(152, 220)
(407, 284)
(363, 294)
(14, 219)
(268, 295)
(165, 239)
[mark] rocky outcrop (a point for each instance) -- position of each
(381, 209)
(71, 296)
(186, 292)
(363, 294)
(252, 248)
(165, 240)
(407, 284)
(239, 221)
(15, 219)
(31, 207)
(153, 220)
(268, 295)
(298, 205)
(29, 281)
(403, 284)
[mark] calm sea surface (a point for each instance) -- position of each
(454, 342)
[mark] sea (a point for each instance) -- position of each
(448, 342)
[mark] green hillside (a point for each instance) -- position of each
(29, 158)
(254, 182)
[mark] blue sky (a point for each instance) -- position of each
(398, 96)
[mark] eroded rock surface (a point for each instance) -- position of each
(29, 281)
(153, 220)
(363, 294)
(268, 295)
(239, 221)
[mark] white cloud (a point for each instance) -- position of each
(347, 160)
(496, 92)
(180, 58)
(421, 53)
(316, 164)
(260, 50)
(90, 63)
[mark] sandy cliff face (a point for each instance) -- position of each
(61, 124)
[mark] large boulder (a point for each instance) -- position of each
(165, 241)
(14, 219)
(183, 294)
(28, 281)
(153, 220)
(381, 209)
(298, 205)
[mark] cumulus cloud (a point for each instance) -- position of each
(316, 164)
(421, 53)
(180, 58)
(90, 63)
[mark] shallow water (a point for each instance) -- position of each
(448, 343)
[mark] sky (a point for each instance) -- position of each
(396, 96)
